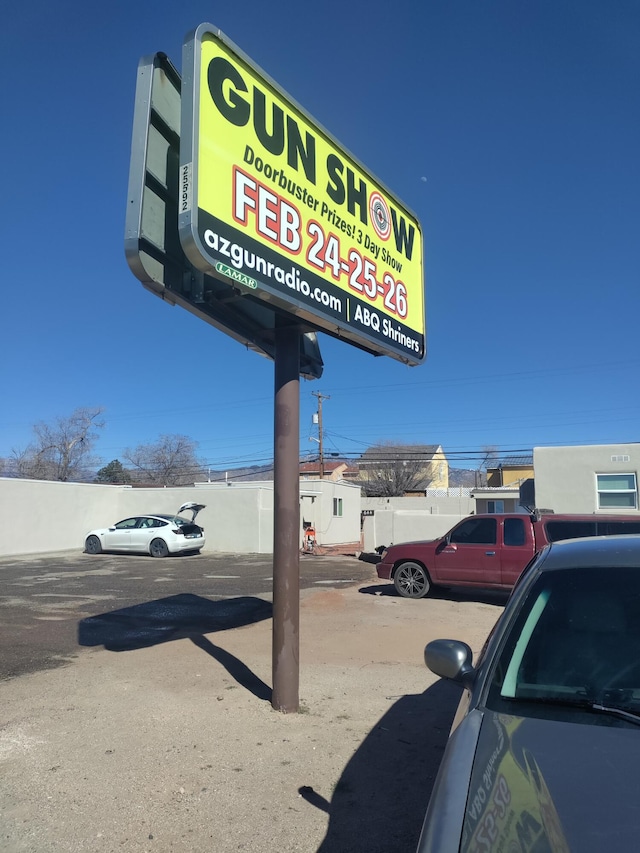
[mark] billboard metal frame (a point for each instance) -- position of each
(152, 245)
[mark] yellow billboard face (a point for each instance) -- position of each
(270, 200)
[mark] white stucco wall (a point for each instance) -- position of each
(443, 505)
(239, 519)
(389, 527)
(565, 477)
(45, 516)
(40, 516)
(407, 519)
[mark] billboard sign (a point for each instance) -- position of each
(270, 201)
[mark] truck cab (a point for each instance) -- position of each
(488, 550)
(484, 550)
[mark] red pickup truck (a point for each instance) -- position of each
(488, 550)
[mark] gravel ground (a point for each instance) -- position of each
(176, 747)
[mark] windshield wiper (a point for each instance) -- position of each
(617, 712)
(580, 702)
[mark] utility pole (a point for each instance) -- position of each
(320, 397)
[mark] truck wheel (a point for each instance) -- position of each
(411, 580)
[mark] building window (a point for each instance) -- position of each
(337, 507)
(495, 506)
(617, 491)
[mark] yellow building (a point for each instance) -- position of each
(511, 471)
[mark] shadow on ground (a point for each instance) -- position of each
(180, 617)
(173, 618)
(381, 798)
(482, 596)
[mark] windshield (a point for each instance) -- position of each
(575, 642)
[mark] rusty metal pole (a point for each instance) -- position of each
(286, 545)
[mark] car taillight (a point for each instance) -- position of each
(179, 530)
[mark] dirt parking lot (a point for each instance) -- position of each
(168, 742)
(44, 598)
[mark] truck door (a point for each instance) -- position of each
(518, 547)
(470, 554)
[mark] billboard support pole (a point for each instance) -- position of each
(286, 545)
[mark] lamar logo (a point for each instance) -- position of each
(236, 275)
(185, 195)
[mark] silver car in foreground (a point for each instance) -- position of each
(545, 747)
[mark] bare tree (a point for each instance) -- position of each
(7, 467)
(61, 450)
(170, 461)
(391, 470)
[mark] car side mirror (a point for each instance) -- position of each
(443, 543)
(451, 659)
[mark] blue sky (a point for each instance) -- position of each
(524, 119)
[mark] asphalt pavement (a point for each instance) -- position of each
(51, 605)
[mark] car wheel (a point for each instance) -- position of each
(158, 548)
(93, 545)
(411, 580)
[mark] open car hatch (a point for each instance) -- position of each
(194, 507)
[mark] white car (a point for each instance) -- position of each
(158, 534)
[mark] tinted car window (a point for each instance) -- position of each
(513, 531)
(152, 522)
(126, 524)
(574, 641)
(613, 528)
(475, 531)
(569, 529)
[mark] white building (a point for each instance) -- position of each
(587, 478)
